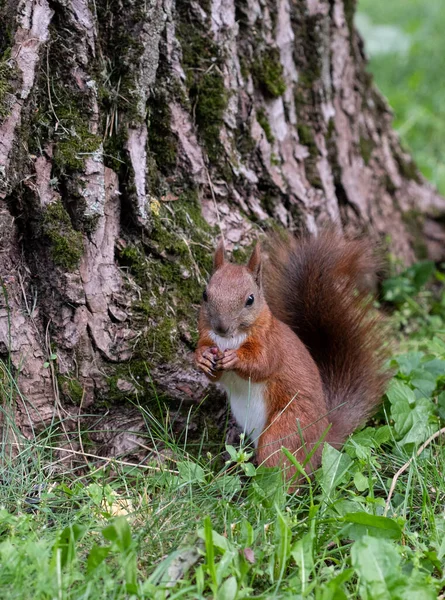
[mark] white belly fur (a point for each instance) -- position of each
(247, 399)
(247, 402)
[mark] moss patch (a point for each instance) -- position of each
(263, 121)
(202, 61)
(211, 99)
(366, 148)
(6, 88)
(71, 151)
(307, 139)
(71, 388)
(161, 139)
(267, 73)
(171, 268)
(66, 244)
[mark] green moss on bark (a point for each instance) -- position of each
(264, 122)
(366, 148)
(161, 139)
(202, 61)
(211, 102)
(66, 244)
(71, 388)
(171, 268)
(6, 89)
(71, 152)
(267, 72)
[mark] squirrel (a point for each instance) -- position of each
(295, 343)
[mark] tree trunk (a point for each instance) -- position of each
(131, 131)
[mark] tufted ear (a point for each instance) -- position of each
(254, 264)
(219, 258)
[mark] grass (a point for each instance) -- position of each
(406, 45)
(178, 526)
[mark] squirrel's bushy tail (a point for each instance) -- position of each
(318, 286)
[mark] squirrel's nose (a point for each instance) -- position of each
(221, 329)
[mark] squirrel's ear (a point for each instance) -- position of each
(254, 264)
(219, 258)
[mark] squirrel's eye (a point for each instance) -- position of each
(204, 296)
(250, 300)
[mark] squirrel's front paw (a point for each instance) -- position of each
(205, 359)
(228, 361)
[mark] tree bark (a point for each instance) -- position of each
(130, 132)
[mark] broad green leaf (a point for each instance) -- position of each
(423, 381)
(360, 481)
(408, 362)
(227, 485)
(377, 563)
(232, 452)
(302, 553)
(66, 543)
(399, 392)
(218, 540)
(374, 525)
(191, 472)
(228, 590)
(96, 557)
(421, 272)
(335, 465)
(249, 469)
(417, 423)
(118, 532)
(382, 435)
(435, 367)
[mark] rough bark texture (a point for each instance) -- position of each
(130, 131)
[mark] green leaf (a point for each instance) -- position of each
(411, 416)
(400, 392)
(232, 452)
(421, 272)
(119, 532)
(334, 589)
(417, 424)
(423, 381)
(374, 525)
(302, 553)
(66, 543)
(377, 563)
(335, 465)
(96, 557)
(228, 590)
(382, 435)
(210, 550)
(435, 367)
(190, 472)
(218, 540)
(408, 362)
(249, 469)
(360, 481)
(283, 535)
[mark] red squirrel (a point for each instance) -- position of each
(296, 344)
